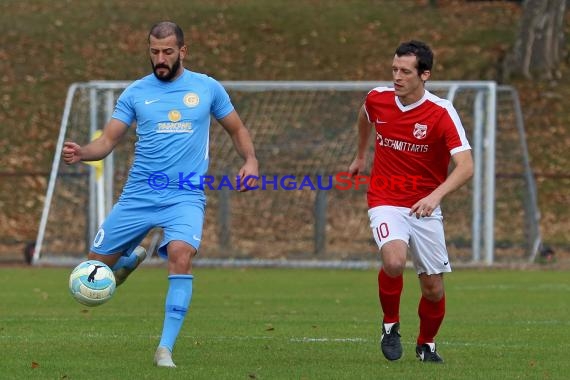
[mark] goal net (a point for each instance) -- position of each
(303, 131)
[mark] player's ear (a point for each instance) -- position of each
(183, 52)
(425, 75)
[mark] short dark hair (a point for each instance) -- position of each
(165, 29)
(423, 53)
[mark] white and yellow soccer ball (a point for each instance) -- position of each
(92, 283)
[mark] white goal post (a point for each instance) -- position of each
(303, 128)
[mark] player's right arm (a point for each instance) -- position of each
(98, 148)
(364, 130)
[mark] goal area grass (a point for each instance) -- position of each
(266, 323)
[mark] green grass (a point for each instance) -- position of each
(282, 324)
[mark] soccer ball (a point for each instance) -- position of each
(92, 283)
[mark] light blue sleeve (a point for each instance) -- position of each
(124, 109)
(221, 104)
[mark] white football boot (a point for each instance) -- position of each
(163, 358)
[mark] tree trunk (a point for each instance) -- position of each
(539, 46)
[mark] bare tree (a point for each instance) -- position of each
(539, 47)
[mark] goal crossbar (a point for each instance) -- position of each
(483, 143)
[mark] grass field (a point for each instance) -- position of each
(283, 324)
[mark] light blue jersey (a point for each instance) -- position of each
(173, 122)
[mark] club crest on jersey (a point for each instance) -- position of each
(191, 99)
(174, 116)
(420, 131)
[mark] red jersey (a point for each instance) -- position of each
(413, 146)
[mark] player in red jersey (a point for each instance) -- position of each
(417, 133)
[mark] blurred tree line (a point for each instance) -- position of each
(540, 45)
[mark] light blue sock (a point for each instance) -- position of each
(177, 304)
(125, 262)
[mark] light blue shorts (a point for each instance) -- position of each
(130, 220)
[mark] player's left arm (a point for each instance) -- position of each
(243, 144)
(461, 173)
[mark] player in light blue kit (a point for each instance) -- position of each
(171, 109)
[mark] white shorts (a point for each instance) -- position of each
(424, 236)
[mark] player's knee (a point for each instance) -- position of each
(393, 263)
(180, 257)
(394, 257)
(433, 295)
(393, 266)
(432, 288)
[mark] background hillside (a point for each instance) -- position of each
(47, 45)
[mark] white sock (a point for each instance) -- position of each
(431, 346)
(388, 327)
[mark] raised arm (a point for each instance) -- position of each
(98, 148)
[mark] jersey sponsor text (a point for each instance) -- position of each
(401, 145)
